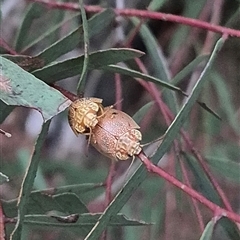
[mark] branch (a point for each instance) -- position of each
(217, 210)
(148, 15)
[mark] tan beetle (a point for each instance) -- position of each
(83, 115)
(116, 135)
(113, 133)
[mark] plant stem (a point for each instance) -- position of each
(149, 15)
(217, 210)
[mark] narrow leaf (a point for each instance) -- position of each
(183, 114)
(155, 4)
(142, 112)
(188, 69)
(202, 182)
(231, 229)
(68, 43)
(158, 61)
(33, 12)
(83, 221)
(82, 80)
(28, 182)
(70, 67)
(136, 74)
(225, 167)
(208, 231)
(50, 33)
(46, 196)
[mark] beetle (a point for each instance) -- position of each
(83, 114)
(116, 135)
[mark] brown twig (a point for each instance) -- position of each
(118, 87)
(148, 15)
(164, 108)
(66, 93)
(206, 169)
(217, 210)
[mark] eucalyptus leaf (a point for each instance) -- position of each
(225, 167)
(208, 231)
(20, 88)
(73, 67)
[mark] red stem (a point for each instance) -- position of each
(168, 116)
(164, 108)
(217, 210)
(215, 19)
(147, 14)
(118, 87)
(180, 56)
(69, 95)
(207, 171)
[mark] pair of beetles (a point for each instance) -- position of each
(112, 132)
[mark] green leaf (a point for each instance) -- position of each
(51, 32)
(225, 167)
(79, 189)
(202, 183)
(67, 203)
(142, 112)
(80, 224)
(225, 101)
(141, 173)
(69, 42)
(158, 61)
(183, 114)
(20, 88)
(231, 230)
(208, 231)
(33, 12)
(47, 199)
(3, 178)
(136, 74)
(82, 80)
(27, 183)
(192, 9)
(188, 69)
(84, 220)
(155, 4)
(72, 67)
(96, 24)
